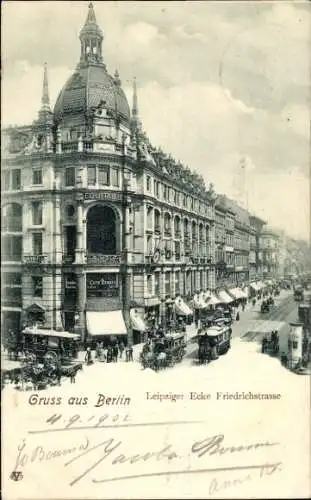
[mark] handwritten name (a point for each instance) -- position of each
(27, 455)
(112, 448)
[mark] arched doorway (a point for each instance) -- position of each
(102, 230)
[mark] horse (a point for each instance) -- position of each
(204, 353)
(161, 361)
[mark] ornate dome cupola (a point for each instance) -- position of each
(90, 87)
(91, 38)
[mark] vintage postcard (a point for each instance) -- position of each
(156, 260)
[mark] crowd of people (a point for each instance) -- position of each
(111, 353)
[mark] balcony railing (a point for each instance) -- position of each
(157, 228)
(167, 231)
(68, 259)
(71, 146)
(34, 259)
(103, 260)
(177, 233)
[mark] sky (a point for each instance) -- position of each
(220, 84)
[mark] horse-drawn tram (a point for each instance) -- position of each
(45, 356)
(213, 342)
(163, 352)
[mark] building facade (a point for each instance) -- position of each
(271, 242)
(95, 220)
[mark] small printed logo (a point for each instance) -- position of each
(16, 475)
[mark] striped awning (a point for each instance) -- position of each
(212, 300)
(224, 297)
(182, 308)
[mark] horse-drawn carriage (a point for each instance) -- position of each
(163, 352)
(266, 304)
(213, 342)
(298, 293)
(47, 355)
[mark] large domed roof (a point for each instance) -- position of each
(86, 88)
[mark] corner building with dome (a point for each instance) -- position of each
(101, 232)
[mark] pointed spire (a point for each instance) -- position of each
(117, 77)
(135, 101)
(45, 99)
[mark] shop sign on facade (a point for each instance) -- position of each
(102, 285)
(103, 196)
(70, 283)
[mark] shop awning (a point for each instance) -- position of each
(212, 300)
(261, 285)
(254, 286)
(237, 293)
(49, 333)
(182, 308)
(137, 322)
(224, 297)
(198, 301)
(105, 323)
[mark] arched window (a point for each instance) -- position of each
(101, 230)
(177, 226)
(167, 225)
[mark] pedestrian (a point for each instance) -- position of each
(121, 349)
(264, 344)
(254, 302)
(115, 350)
(130, 353)
(243, 306)
(127, 354)
(88, 356)
(284, 359)
(109, 354)
(237, 316)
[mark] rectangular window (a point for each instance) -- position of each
(37, 286)
(157, 284)
(70, 176)
(177, 282)
(12, 248)
(37, 213)
(114, 176)
(148, 183)
(6, 180)
(177, 250)
(103, 176)
(16, 179)
(91, 175)
(37, 243)
(149, 284)
(37, 176)
(167, 282)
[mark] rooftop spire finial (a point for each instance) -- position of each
(45, 99)
(91, 18)
(91, 37)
